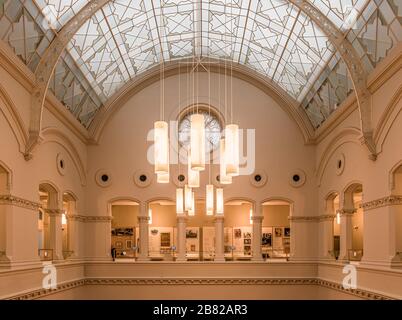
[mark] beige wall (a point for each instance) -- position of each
(124, 216)
(276, 215)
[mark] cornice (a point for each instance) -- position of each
(364, 294)
(383, 202)
(8, 199)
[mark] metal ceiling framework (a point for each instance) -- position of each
(66, 33)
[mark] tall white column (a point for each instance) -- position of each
(219, 239)
(143, 221)
(346, 234)
(181, 238)
(257, 236)
(73, 236)
(55, 233)
(326, 225)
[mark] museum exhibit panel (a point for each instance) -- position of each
(200, 149)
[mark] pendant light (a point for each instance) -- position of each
(338, 218)
(191, 212)
(163, 177)
(188, 194)
(232, 157)
(193, 176)
(210, 199)
(223, 177)
(179, 201)
(219, 201)
(197, 142)
(161, 139)
(251, 216)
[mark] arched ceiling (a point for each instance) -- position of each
(274, 37)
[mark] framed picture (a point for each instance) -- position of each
(237, 233)
(278, 232)
(165, 239)
(247, 250)
(191, 234)
(286, 232)
(118, 244)
(286, 242)
(192, 248)
(247, 235)
(247, 241)
(266, 239)
(129, 244)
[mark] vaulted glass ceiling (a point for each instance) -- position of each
(273, 37)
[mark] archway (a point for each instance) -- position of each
(276, 229)
(50, 223)
(69, 207)
(162, 229)
(125, 233)
(396, 213)
(352, 223)
(238, 229)
(4, 189)
(331, 233)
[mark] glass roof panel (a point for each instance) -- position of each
(58, 12)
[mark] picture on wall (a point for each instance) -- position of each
(191, 234)
(123, 232)
(247, 250)
(118, 244)
(267, 239)
(247, 235)
(192, 248)
(286, 242)
(237, 233)
(228, 249)
(129, 244)
(286, 232)
(247, 241)
(278, 232)
(165, 239)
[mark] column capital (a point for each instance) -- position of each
(54, 212)
(347, 212)
(182, 218)
(257, 218)
(219, 218)
(143, 219)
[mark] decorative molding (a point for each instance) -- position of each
(383, 202)
(143, 219)
(327, 217)
(8, 199)
(346, 212)
(311, 218)
(54, 212)
(81, 218)
(364, 294)
(257, 218)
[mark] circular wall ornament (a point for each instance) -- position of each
(61, 164)
(297, 178)
(103, 178)
(258, 179)
(340, 164)
(142, 178)
(179, 176)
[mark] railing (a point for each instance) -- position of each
(355, 254)
(45, 254)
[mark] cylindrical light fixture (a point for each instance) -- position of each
(179, 201)
(161, 145)
(223, 177)
(251, 216)
(219, 201)
(193, 176)
(338, 218)
(191, 212)
(232, 157)
(162, 177)
(188, 194)
(197, 142)
(210, 199)
(150, 216)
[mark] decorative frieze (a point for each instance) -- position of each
(81, 218)
(8, 199)
(325, 217)
(54, 212)
(383, 202)
(201, 281)
(346, 212)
